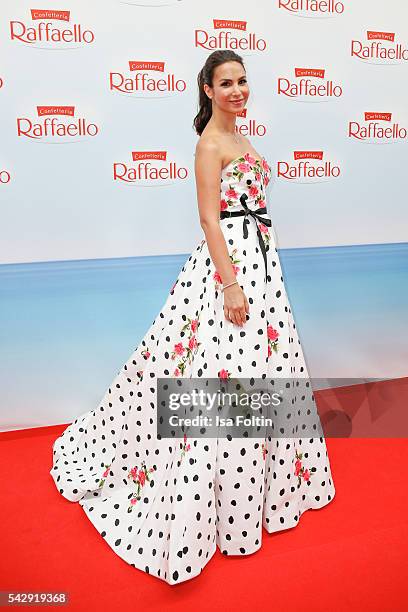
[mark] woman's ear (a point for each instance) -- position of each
(207, 90)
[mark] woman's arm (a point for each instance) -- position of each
(208, 166)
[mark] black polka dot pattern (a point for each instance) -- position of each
(165, 505)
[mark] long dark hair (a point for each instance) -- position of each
(206, 76)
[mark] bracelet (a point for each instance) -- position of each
(225, 286)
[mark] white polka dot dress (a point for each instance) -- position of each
(164, 505)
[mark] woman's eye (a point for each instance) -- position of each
(227, 84)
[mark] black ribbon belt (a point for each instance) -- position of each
(256, 214)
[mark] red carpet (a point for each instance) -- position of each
(352, 554)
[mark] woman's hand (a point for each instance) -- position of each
(235, 304)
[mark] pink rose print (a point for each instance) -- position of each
(298, 465)
(300, 471)
(253, 191)
(273, 335)
(192, 343)
(178, 349)
(232, 194)
(248, 157)
(243, 167)
(217, 277)
(248, 163)
(139, 478)
(185, 447)
(186, 352)
(264, 450)
(146, 354)
(265, 232)
(224, 374)
(104, 475)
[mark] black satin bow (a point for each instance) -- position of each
(256, 214)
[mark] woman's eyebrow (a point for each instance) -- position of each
(241, 77)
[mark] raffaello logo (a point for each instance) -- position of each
(308, 167)
(249, 127)
(229, 34)
(146, 79)
(312, 8)
(309, 85)
(379, 48)
(5, 176)
(377, 128)
(50, 29)
(149, 168)
(56, 123)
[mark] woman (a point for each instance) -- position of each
(162, 504)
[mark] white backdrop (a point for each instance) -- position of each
(117, 80)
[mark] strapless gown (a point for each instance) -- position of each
(164, 505)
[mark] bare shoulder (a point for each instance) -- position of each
(207, 153)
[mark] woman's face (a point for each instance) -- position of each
(230, 90)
